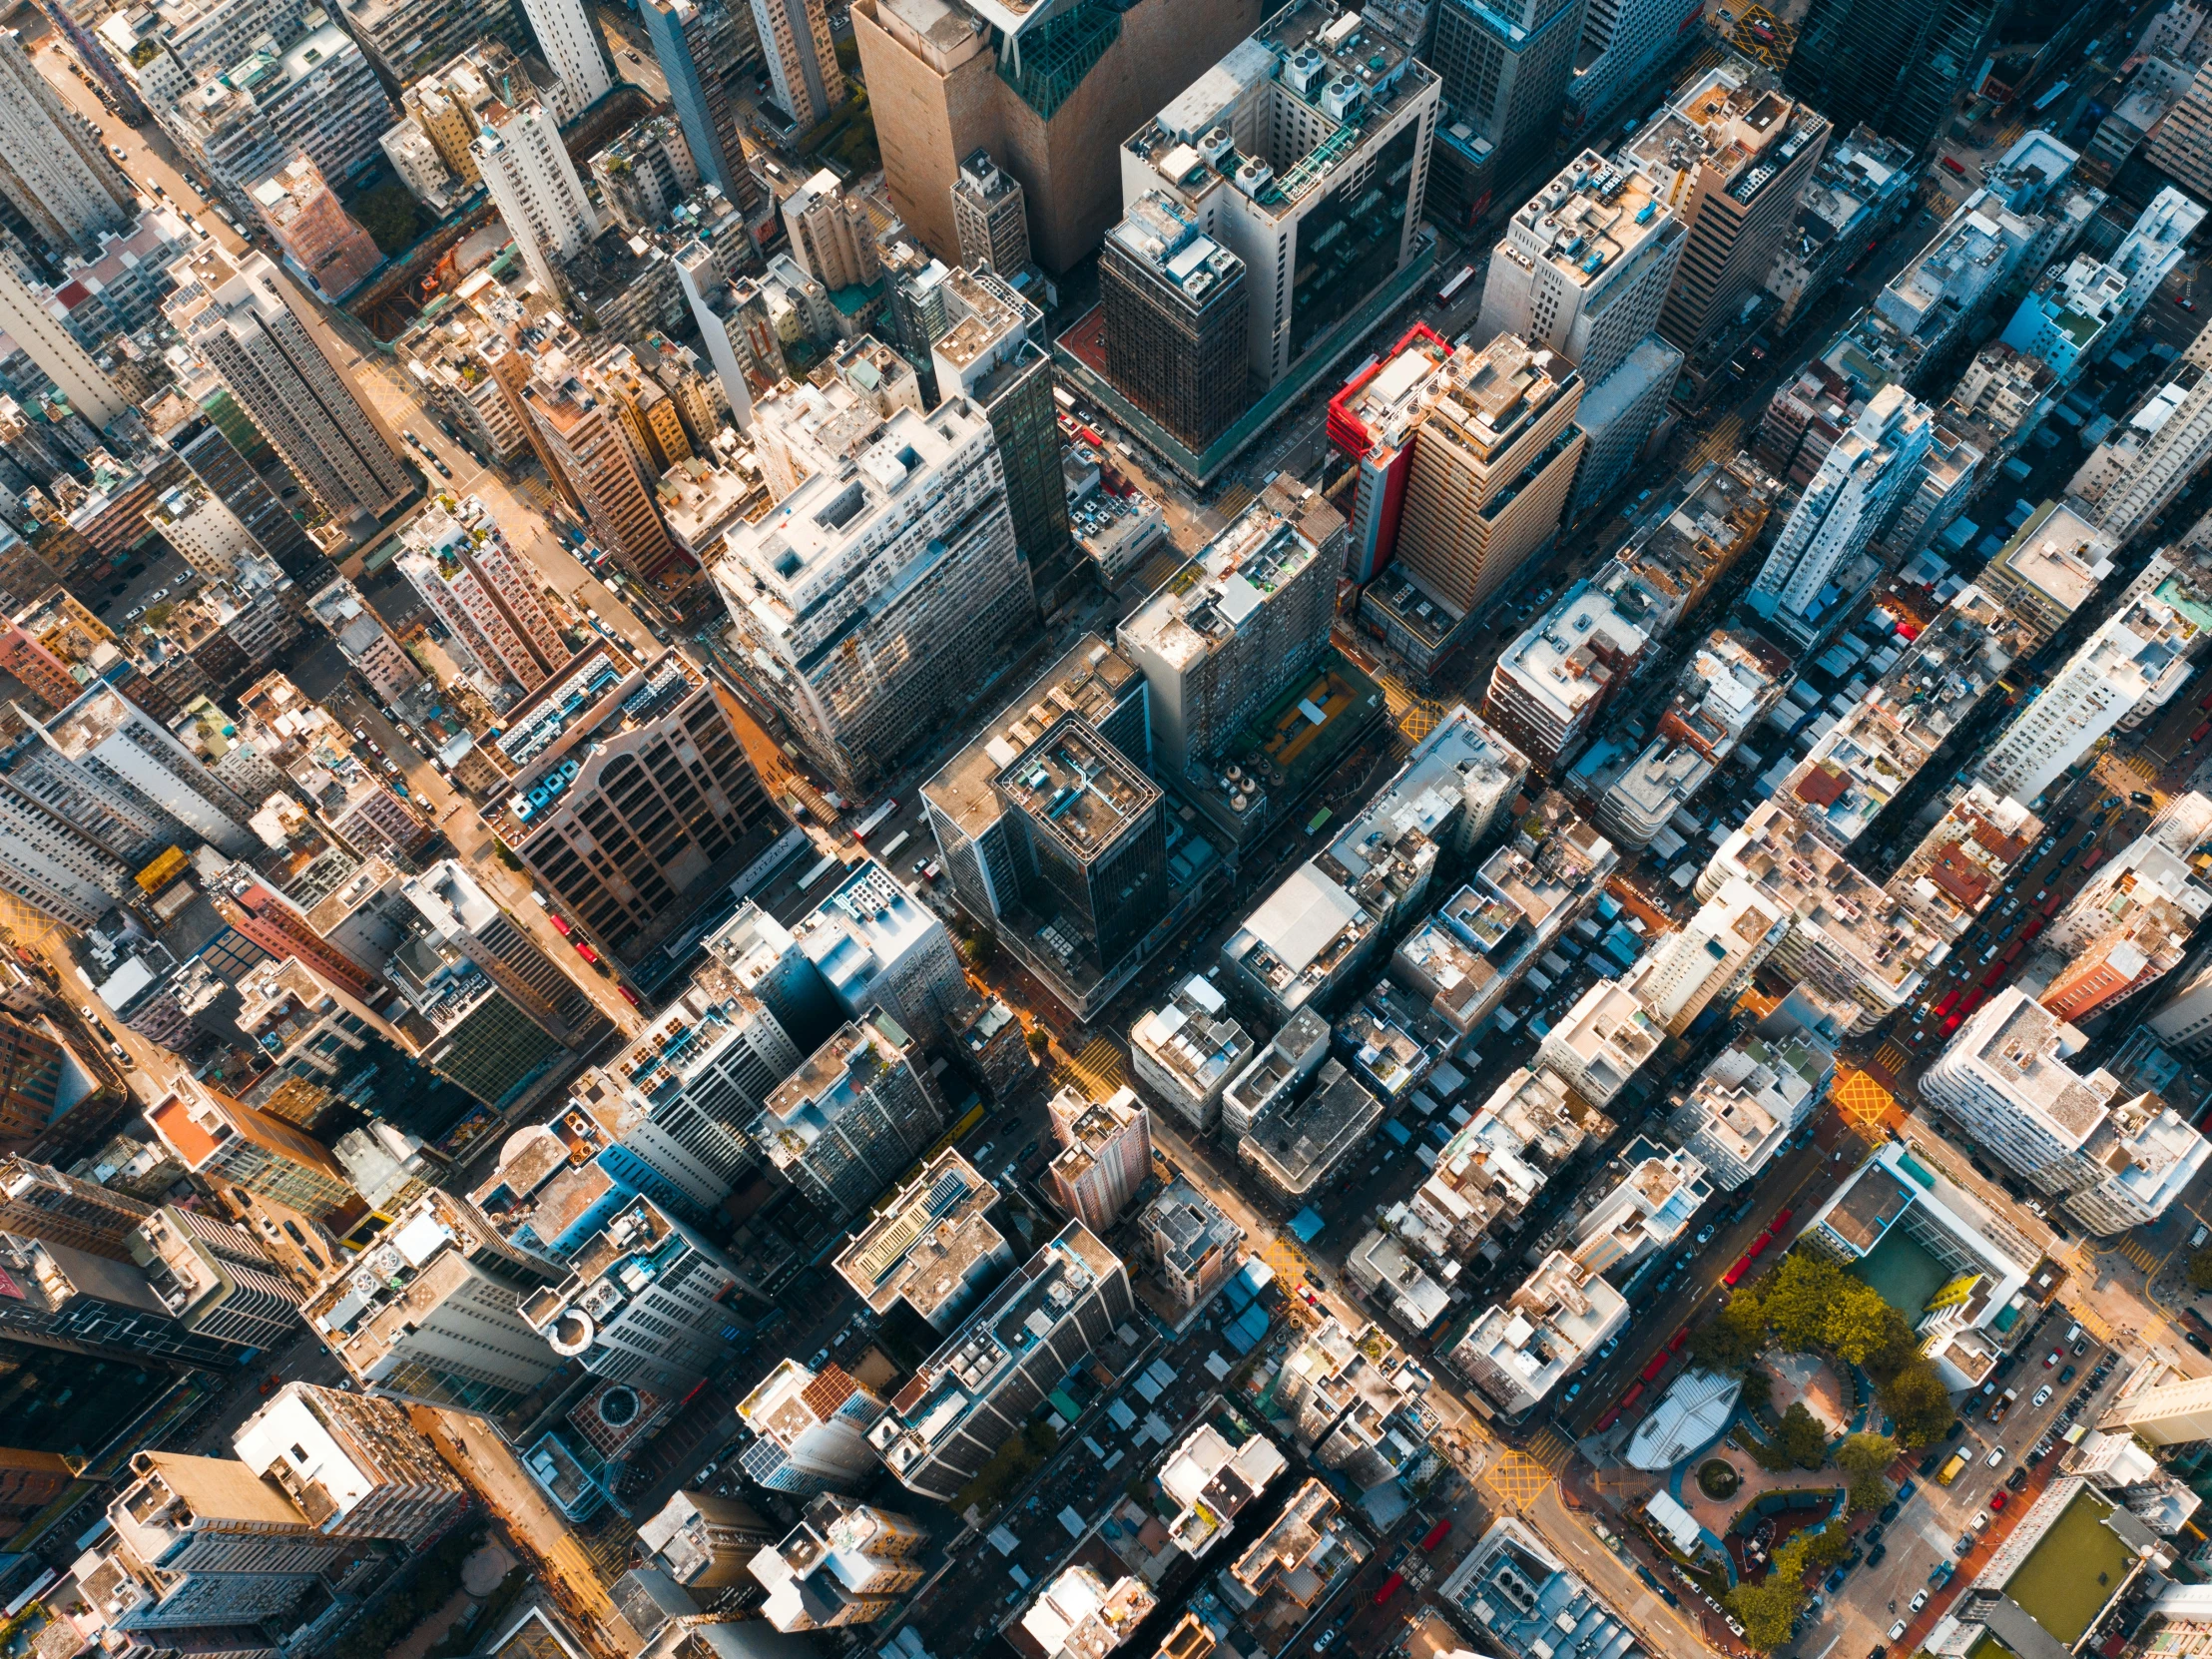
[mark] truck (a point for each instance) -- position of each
(1949, 1471)
(2003, 1404)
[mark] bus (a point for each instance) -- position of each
(867, 826)
(2050, 98)
(1445, 293)
(890, 848)
(829, 861)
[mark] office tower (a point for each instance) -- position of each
(1495, 455)
(988, 1379)
(223, 1140)
(43, 1082)
(319, 239)
(801, 59)
(646, 1301)
(526, 169)
(878, 948)
(1301, 1137)
(111, 769)
(580, 435)
(1714, 952)
(930, 1246)
(853, 1119)
(49, 345)
(1896, 68)
(1505, 72)
(1515, 1353)
(431, 1311)
(1176, 314)
(1549, 686)
(1250, 616)
(354, 1464)
(2150, 476)
(1373, 422)
(1194, 1246)
(1105, 1155)
(484, 595)
(1622, 42)
(989, 215)
(810, 1429)
(52, 169)
(2116, 1162)
(92, 1307)
(645, 172)
(704, 1541)
(989, 353)
(694, 43)
(844, 1564)
(207, 1515)
(1729, 155)
(1356, 173)
(597, 787)
(39, 1201)
(215, 1281)
(1186, 1050)
(281, 361)
(1848, 500)
(869, 501)
(2134, 662)
(567, 33)
(831, 238)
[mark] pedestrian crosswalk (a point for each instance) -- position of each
(1551, 1449)
(2138, 1252)
(1234, 500)
(1890, 1061)
(1098, 1068)
(1414, 715)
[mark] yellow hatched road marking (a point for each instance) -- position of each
(1864, 1101)
(1891, 1058)
(2135, 1251)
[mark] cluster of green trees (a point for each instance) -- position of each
(1770, 1607)
(1811, 1306)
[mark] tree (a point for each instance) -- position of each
(1767, 1610)
(1918, 1404)
(1732, 1338)
(1823, 1550)
(2200, 1269)
(1797, 1297)
(977, 950)
(390, 216)
(1802, 1437)
(1757, 1390)
(1858, 1325)
(1038, 1040)
(1867, 1454)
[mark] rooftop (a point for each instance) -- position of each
(921, 1246)
(1076, 790)
(1298, 1140)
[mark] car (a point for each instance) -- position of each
(1573, 1388)
(1326, 1636)
(119, 152)
(2186, 305)
(1995, 1459)
(1873, 1534)
(1874, 1555)
(704, 1476)
(628, 996)
(1705, 1236)
(2142, 799)
(2066, 1374)
(2081, 1347)
(84, 1010)
(1835, 1581)
(1998, 1501)
(2198, 1343)
(1906, 1489)
(2016, 1480)
(1889, 1512)
(2051, 1358)
(1920, 1600)
(2042, 1395)
(1982, 1520)
(1897, 1631)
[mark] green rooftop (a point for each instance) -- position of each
(1902, 1273)
(2073, 1570)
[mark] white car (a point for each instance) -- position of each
(2042, 1395)
(1897, 1631)
(1920, 1600)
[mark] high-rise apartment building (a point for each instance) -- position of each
(320, 239)
(1249, 615)
(2130, 666)
(832, 236)
(1846, 503)
(1713, 953)
(986, 1379)
(877, 624)
(431, 1311)
(1194, 1245)
(930, 1246)
(647, 1301)
(599, 783)
(1729, 682)
(1548, 688)
(696, 44)
(354, 1464)
(852, 1117)
(1896, 68)
(76, 1302)
(49, 345)
(1754, 1094)
(1505, 71)
(527, 169)
(215, 1281)
(1518, 1351)
(483, 594)
(110, 767)
(1727, 154)
(567, 35)
(2153, 474)
(282, 363)
(578, 422)
(989, 353)
(1305, 151)
(53, 170)
(810, 1429)
(704, 1541)
(1176, 307)
(2116, 1163)
(844, 1564)
(989, 215)
(38, 1201)
(1493, 458)
(801, 59)
(1105, 1155)
(1186, 1050)
(220, 1139)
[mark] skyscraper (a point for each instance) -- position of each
(989, 215)
(2156, 470)
(49, 345)
(885, 586)
(220, 1139)
(694, 41)
(215, 1281)
(832, 236)
(567, 34)
(527, 169)
(109, 766)
(930, 1246)
(1897, 68)
(1105, 1155)
(990, 353)
(52, 169)
(1176, 312)
(809, 1430)
(1846, 502)
(354, 1464)
(801, 59)
(1505, 70)
(281, 362)
(844, 1564)
(647, 1301)
(852, 1117)
(1727, 154)
(579, 428)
